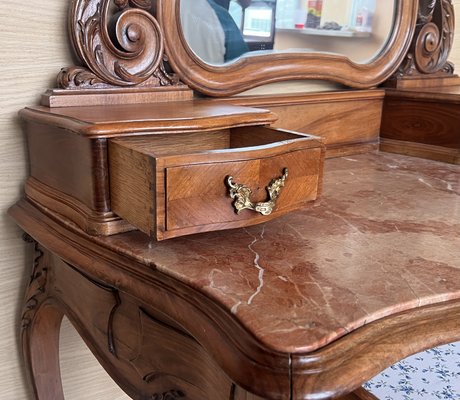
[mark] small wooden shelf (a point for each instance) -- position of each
(325, 32)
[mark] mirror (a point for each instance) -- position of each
(221, 31)
(223, 47)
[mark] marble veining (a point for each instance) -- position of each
(385, 237)
(257, 265)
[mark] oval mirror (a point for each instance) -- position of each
(221, 47)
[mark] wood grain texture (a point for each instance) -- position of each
(414, 149)
(197, 195)
(248, 72)
(144, 119)
(341, 123)
(72, 164)
(348, 122)
(424, 121)
(87, 97)
(69, 172)
(96, 223)
(427, 122)
(181, 188)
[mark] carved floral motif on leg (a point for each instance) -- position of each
(40, 325)
(36, 291)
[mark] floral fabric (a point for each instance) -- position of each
(430, 375)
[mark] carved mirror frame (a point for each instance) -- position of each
(128, 53)
(251, 71)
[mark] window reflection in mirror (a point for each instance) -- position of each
(220, 31)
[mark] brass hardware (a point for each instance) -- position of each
(242, 194)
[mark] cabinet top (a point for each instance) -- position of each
(149, 118)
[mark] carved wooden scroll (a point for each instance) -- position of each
(432, 42)
(119, 44)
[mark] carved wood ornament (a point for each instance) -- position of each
(36, 292)
(432, 41)
(119, 43)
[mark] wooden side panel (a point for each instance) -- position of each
(144, 354)
(197, 195)
(339, 123)
(260, 136)
(422, 127)
(132, 186)
(421, 121)
(161, 359)
(69, 163)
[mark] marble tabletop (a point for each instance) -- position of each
(384, 238)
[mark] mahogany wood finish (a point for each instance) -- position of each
(126, 50)
(98, 97)
(347, 121)
(173, 185)
(68, 150)
(68, 174)
(102, 122)
(250, 71)
(123, 50)
(426, 64)
(423, 123)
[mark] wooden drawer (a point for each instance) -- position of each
(177, 184)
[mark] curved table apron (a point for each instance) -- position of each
(308, 306)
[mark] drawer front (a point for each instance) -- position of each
(198, 196)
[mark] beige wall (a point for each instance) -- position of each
(33, 48)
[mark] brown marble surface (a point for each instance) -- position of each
(384, 238)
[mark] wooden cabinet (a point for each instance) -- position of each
(306, 306)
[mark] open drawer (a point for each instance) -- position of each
(170, 185)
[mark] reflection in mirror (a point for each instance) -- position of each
(221, 31)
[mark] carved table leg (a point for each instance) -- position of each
(41, 321)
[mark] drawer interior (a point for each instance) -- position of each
(162, 145)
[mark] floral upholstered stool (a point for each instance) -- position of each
(430, 375)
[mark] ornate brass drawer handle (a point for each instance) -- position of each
(242, 194)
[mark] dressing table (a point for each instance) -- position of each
(203, 247)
